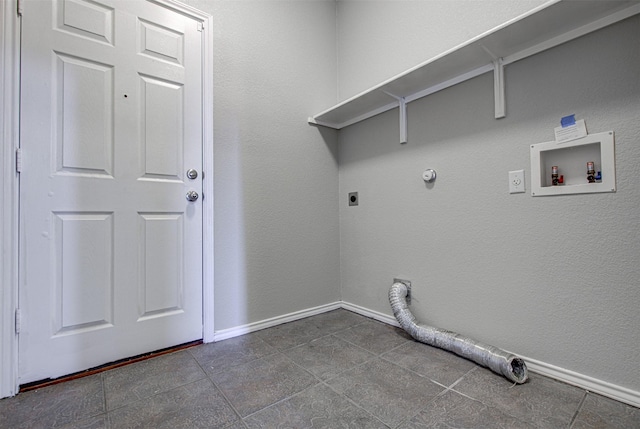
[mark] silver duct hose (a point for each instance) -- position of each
(495, 359)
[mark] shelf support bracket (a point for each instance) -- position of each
(498, 88)
(403, 120)
(402, 107)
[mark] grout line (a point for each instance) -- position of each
(215, 385)
(78, 419)
(444, 390)
(411, 416)
(270, 352)
(283, 352)
(370, 351)
(395, 348)
(282, 400)
(104, 398)
(455, 383)
(441, 393)
(417, 374)
(304, 369)
(355, 404)
(373, 356)
(162, 391)
(575, 415)
(319, 381)
(158, 393)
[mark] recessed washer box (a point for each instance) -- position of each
(571, 158)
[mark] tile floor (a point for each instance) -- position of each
(334, 370)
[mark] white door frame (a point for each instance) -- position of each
(9, 129)
(9, 183)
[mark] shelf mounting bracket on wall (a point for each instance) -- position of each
(402, 106)
(403, 120)
(498, 88)
(498, 83)
(549, 25)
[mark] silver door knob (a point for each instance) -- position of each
(192, 196)
(192, 174)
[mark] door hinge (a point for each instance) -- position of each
(20, 10)
(18, 160)
(200, 26)
(18, 320)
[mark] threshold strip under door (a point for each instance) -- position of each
(106, 367)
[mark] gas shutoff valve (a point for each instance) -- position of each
(429, 175)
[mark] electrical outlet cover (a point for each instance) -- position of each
(353, 198)
(516, 182)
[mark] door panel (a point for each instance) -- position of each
(161, 264)
(160, 42)
(111, 119)
(86, 19)
(84, 111)
(162, 140)
(83, 255)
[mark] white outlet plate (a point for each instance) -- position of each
(516, 182)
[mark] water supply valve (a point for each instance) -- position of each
(555, 178)
(429, 175)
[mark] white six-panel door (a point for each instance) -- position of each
(111, 120)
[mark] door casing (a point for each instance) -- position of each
(9, 184)
(9, 129)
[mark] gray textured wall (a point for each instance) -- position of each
(378, 39)
(556, 278)
(552, 278)
(276, 178)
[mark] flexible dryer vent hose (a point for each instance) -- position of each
(491, 357)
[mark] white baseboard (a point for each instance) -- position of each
(381, 317)
(590, 384)
(274, 321)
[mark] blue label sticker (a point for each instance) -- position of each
(568, 120)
